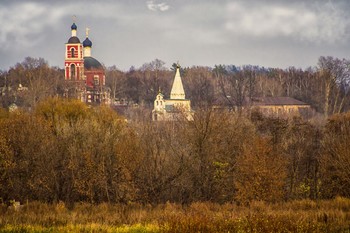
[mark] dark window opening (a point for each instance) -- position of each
(72, 71)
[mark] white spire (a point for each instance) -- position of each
(177, 91)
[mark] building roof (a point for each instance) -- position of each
(87, 43)
(177, 90)
(264, 101)
(91, 63)
(74, 40)
(74, 26)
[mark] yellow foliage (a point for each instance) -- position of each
(260, 173)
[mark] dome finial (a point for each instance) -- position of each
(178, 64)
(74, 26)
(87, 42)
(87, 32)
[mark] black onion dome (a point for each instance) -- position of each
(74, 40)
(74, 26)
(91, 63)
(87, 43)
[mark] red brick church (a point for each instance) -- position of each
(84, 75)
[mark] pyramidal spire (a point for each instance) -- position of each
(177, 90)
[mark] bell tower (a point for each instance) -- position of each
(74, 61)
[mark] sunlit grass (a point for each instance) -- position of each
(293, 216)
(137, 228)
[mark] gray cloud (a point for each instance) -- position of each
(319, 23)
(23, 23)
(197, 32)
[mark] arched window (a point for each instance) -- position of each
(72, 71)
(72, 52)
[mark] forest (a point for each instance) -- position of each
(65, 151)
(325, 87)
(58, 151)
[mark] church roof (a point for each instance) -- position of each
(87, 42)
(275, 101)
(74, 40)
(91, 63)
(177, 90)
(74, 26)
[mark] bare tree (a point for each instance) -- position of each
(39, 80)
(199, 85)
(116, 80)
(335, 74)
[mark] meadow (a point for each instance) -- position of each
(293, 216)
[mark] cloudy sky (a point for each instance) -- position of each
(125, 33)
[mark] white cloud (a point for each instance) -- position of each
(154, 6)
(324, 23)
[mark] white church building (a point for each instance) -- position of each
(175, 108)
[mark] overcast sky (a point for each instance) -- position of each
(127, 33)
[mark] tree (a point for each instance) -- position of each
(237, 85)
(301, 144)
(199, 86)
(154, 78)
(38, 79)
(335, 160)
(335, 75)
(260, 173)
(28, 145)
(116, 80)
(215, 139)
(159, 169)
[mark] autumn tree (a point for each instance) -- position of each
(38, 80)
(161, 161)
(301, 144)
(27, 147)
(215, 139)
(260, 173)
(335, 157)
(92, 149)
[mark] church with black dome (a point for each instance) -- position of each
(84, 75)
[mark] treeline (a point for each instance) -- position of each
(325, 87)
(63, 150)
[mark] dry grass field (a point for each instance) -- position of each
(294, 216)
